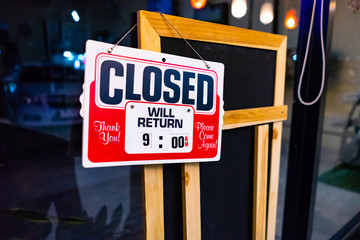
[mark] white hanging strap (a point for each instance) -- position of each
(306, 55)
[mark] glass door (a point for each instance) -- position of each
(338, 185)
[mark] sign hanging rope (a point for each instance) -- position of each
(163, 16)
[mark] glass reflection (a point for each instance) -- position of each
(338, 188)
(45, 193)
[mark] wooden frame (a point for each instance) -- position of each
(152, 26)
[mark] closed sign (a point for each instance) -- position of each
(143, 107)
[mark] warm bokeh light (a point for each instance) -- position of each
(291, 20)
(198, 4)
(267, 13)
(238, 8)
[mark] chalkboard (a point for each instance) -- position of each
(253, 79)
(226, 186)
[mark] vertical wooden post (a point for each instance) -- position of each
(274, 180)
(191, 201)
(153, 202)
(260, 181)
(153, 186)
(276, 143)
(150, 28)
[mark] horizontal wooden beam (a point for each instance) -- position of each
(198, 30)
(254, 116)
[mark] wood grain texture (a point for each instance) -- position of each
(280, 74)
(260, 181)
(253, 116)
(274, 180)
(276, 143)
(153, 202)
(191, 201)
(153, 174)
(152, 26)
(212, 32)
(148, 38)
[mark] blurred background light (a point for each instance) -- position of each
(238, 8)
(67, 54)
(81, 57)
(267, 13)
(77, 64)
(75, 16)
(291, 20)
(294, 57)
(198, 4)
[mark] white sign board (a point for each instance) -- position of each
(143, 107)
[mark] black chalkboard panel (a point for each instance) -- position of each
(173, 202)
(249, 77)
(226, 186)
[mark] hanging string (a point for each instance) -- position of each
(306, 55)
(206, 64)
(117, 43)
(163, 16)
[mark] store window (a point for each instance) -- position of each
(338, 185)
(45, 193)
